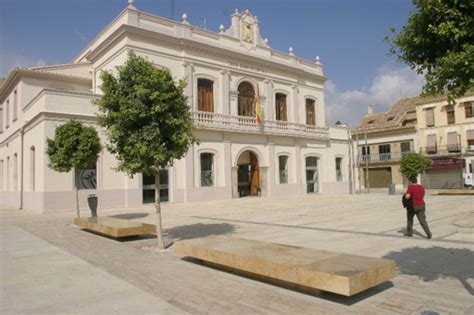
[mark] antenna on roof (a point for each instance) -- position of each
(204, 21)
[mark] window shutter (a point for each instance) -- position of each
(429, 117)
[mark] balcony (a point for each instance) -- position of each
(222, 122)
(382, 157)
(447, 150)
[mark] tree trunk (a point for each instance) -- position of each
(159, 228)
(76, 192)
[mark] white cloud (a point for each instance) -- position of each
(388, 86)
(8, 61)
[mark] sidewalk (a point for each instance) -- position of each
(129, 276)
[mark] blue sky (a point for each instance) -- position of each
(346, 34)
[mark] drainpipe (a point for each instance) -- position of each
(22, 135)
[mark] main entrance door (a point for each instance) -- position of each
(312, 177)
(248, 175)
(148, 186)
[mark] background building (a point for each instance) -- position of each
(292, 152)
(429, 125)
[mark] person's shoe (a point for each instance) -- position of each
(429, 236)
(408, 234)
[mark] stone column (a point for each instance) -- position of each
(300, 173)
(189, 77)
(225, 109)
(189, 162)
(228, 168)
(264, 180)
(235, 182)
(271, 167)
(234, 96)
(269, 106)
(295, 105)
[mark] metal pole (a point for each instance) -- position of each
(366, 163)
(350, 159)
(358, 162)
(462, 159)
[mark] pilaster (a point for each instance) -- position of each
(294, 103)
(270, 107)
(189, 77)
(225, 91)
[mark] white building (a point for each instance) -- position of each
(292, 152)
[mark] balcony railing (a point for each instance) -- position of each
(216, 121)
(382, 157)
(447, 150)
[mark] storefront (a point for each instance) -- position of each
(445, 173)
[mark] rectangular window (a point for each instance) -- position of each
(338, 169)
(280, 107)
(469, 109)
(283, 168)
(310, 112)
(453, 145)
(384, 152)
(405, 148)
(431, 147)
(470, 139)
(450, 115)
(86, 178)
(205, 95)
(15, 106)
(207, 169)
(430, 117)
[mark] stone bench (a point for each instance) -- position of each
(298, 267)
(115, 227)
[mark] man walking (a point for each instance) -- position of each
(416, 192)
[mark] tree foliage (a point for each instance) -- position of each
(146, 120)
(413, 164)
(145, 115)
(74, 146)
(438, 41)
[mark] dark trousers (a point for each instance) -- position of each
(420, 214)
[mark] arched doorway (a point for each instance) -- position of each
(246, 102)
(248, 175)
(312, 174)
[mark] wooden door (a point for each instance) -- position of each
(255, 175)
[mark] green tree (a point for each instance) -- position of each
(147, 121)
(438, 41)
(413, 164)
(74, 146)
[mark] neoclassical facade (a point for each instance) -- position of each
(289, 151)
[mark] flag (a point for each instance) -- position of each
(259, 108)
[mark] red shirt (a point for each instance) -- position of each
(417, 192)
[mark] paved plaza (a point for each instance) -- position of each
(50, 266)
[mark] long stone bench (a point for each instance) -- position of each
(115, 227)
(301, 267)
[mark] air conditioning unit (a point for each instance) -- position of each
(470, 147)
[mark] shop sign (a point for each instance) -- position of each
(446, 162)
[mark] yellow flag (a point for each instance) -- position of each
(259, 108)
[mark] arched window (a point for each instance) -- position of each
(280, 107)
(205, 95)
(283, 168)
(310, 112)
(339, 169)
(207, 169)
(246, 99)
(32, 168)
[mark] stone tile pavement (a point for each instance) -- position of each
(50, 266)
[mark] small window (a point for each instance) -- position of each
(431, 146)
(366, 153)
(15, 106)
(370, 122)
(205, 95)
(405, 147)
(283, 169)
(86, 178)
(339, 169)
(390, 118)
(450, 115)
(469, 109)
(207, 169)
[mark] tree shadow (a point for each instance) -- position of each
(436, 262)
(198, 230)
(130, 216)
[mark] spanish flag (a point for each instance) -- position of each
(259, 108)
